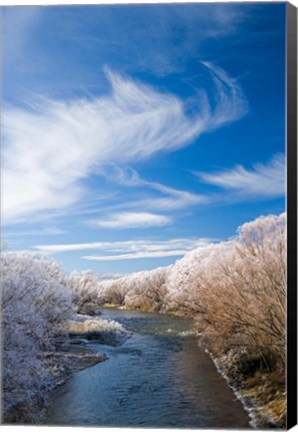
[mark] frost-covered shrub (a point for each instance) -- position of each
(261, 273)
(84, 287)
(104, 331)
(182, 281)
(142, 290)
(146, 290)
(113, 291)
(236, 291)
(93, 325)
(34, 300)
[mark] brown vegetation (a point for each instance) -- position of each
(235, 292)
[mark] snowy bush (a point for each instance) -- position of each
(146, 290)
(234, 290)
(113, 291)
(84, 288)
(142, 290)
(103, 331)
(35, 300)
(93, 325)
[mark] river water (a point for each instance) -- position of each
(158, 378)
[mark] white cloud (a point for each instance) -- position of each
(131, 246)
(171, 199)
(230, 100)
(137, 255)
(133, 220)
(264, 180)
(52, 147)
(149, 249)
(43, 231)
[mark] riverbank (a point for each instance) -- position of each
(262, 393)
(159, 378)
(69, 357)
(78, 347)
(66, 359)
(71, 352)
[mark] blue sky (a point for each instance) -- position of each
(134, 133)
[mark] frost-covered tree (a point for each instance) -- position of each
(34, 301)
(84, 287)
(234, 290)
(146, 290)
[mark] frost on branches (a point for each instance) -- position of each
(35, 300)
(143, 290)
(234, 291)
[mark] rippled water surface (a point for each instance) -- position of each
(157, 378)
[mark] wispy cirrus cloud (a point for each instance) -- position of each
(150, 249)
(51, 148)
(42, 231)
(129, 247)
(168, 198)
(136, 255)
(132, 220)
(263, 180)
(171, 199)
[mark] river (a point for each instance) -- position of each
(158, 378)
